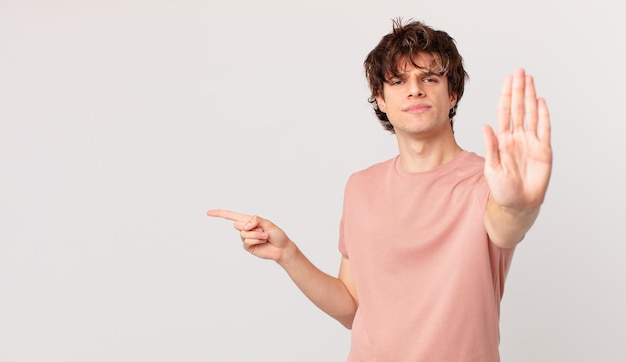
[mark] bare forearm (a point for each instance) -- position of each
(265, 240)
(506, 227)
(325, 291)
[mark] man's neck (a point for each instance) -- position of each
(426, 155)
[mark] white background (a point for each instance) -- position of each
(122, 122)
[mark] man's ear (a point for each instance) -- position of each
(380, 101)
(453, 98)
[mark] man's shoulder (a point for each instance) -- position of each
(473, 159)
(376, 169)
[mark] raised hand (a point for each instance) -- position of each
(518, 160)
(259, 236)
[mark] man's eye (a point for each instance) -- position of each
(395, 81)
(430, 80)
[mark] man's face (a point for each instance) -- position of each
(416, 101)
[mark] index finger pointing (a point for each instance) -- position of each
(227, 214)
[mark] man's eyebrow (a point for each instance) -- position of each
(424, 72)
(399, 75)
(431, 72)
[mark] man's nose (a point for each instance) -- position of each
(415, 88)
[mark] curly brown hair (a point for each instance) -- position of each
(404, 43)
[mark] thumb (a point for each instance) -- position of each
(259, 223)
(492, 157)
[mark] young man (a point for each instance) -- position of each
(427, 237)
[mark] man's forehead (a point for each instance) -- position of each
(423, 61)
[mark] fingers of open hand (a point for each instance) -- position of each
(519, 109)
(492, 158)
(504, 106)
(518, 101)
(544, 128)
(530, 105)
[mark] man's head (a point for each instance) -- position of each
(403, 44)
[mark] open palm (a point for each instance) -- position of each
(518, 159)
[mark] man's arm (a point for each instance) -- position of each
(518, 161)
(334, 296)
